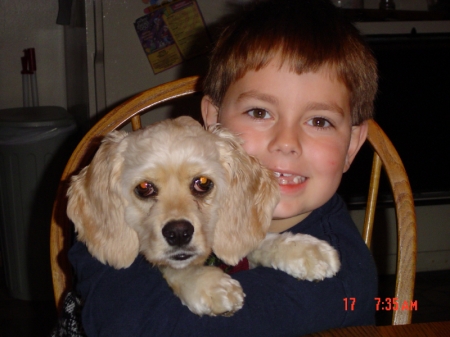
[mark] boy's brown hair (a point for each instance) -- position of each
(308, 35)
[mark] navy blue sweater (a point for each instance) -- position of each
(138, 302)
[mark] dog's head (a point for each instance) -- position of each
(174, 192)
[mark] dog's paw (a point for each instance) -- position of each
(219, 295)
(206, 290)
(302, 256)
(308, 258)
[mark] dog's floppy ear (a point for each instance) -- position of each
(245, 210)
(96, 206)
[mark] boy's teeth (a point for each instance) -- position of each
(286, 178)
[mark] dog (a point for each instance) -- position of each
(176, 192)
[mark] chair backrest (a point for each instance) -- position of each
(130, 111)
(386, 156)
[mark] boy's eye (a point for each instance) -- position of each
(258, 113)
(319, 122)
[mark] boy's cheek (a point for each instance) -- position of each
(333, 164)
(250, 146)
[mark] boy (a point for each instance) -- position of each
(295, 82)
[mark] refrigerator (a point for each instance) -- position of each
(106, 63)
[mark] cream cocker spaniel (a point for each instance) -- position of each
(175, 192)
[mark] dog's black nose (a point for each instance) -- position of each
(178, 232)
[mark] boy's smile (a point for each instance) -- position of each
(299, 126)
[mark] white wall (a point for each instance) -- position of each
(31, 24)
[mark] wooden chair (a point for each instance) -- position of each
(130, 111)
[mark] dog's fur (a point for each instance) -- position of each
(204, 194)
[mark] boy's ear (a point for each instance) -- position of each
(210, 112)
(358, 137)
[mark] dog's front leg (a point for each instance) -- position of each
(205, 290)
(300, 255)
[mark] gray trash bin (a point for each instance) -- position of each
(35, 145)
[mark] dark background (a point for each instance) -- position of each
(413, 108)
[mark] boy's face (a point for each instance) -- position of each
(299, 126)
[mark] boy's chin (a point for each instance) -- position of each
(289, 211)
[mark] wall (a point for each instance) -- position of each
(31, 24)
(126, 70)
(433, 233)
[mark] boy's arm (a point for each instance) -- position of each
(137, 301)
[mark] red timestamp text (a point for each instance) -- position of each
(393, 304)
(349, 303)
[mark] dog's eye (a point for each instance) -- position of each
(201, 185)
(146, 189)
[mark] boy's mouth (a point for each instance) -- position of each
(289, 179)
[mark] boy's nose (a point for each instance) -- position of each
(286, 140)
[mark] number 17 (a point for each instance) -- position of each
(351, 301)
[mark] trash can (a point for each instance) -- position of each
(35, 145)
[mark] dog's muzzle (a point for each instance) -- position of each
(178, 233)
